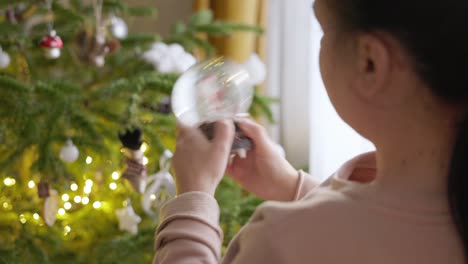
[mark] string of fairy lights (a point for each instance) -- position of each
(73, 199)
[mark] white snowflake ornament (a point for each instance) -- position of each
(128, 219)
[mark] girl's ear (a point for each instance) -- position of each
(373, 66)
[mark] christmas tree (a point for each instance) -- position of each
(84, 116)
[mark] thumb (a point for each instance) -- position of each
(224, 133)
(252, 129)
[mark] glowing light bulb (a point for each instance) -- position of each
(113, 185)
(85, 200)
(89, 160)
(61, 211)
(67, 229)
(31, 184)
(77, 199)
(74, 186)
(87, 189)
(97, 205)
(89, 182)
(144, 147)
(36, 216)
(145, 161)
(115, 175)
(67, 206)
(153, 197)
(9, 181)
(22, 219)
(65, 197)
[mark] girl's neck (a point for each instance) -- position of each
(415, 160)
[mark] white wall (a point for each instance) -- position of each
(168, 12)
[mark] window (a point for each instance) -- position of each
(309, 129)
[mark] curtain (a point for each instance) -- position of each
(240, 45)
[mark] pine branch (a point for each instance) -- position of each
(202, 17)
(8, 32)
(108, 112)
(137, 39)
(113, 6)
(82, 123)
(77, 5)
(68, 15)
(12, 157)
(8, 3)
(205, 45)
(225, 28)
(159, 82)
(12, 84)
(154, 139)
(263, 103)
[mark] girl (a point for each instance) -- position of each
(396, 72)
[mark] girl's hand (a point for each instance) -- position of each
(264, 172)
(199, 163)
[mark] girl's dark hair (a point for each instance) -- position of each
(435, 34)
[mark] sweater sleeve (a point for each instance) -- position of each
(189, 230)
(254, 243)
(305, 184)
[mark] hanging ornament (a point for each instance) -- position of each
(94, 47)
(128, 219)
(43, 189)
(4, 59)
(12, 16)
(51, 45)
(51, 206)
(160, 188)
(101, 50)
(164, 107)
(93, 51)
(131, 139)
(69, 153)
(118, 27)
(135, 172)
